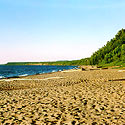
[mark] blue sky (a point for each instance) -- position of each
(49, 30)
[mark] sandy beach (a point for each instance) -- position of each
(71, 97)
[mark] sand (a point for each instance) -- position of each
(64, 98)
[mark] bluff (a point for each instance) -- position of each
(113, 52)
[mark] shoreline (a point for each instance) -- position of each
(69, 97)
(15, 78)
(25, 75)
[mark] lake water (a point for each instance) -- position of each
(7, 71)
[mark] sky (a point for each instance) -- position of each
(50, 30)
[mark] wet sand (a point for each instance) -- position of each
(64, 98)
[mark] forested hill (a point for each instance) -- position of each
(112, 52)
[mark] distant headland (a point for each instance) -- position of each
(111, 54)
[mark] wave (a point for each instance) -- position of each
(54, 70)
(41, 73)
(24, 75)
(1, 77)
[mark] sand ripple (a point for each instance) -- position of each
(74, 98)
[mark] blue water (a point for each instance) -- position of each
(15, 71)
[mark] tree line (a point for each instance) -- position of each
(113, 51)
